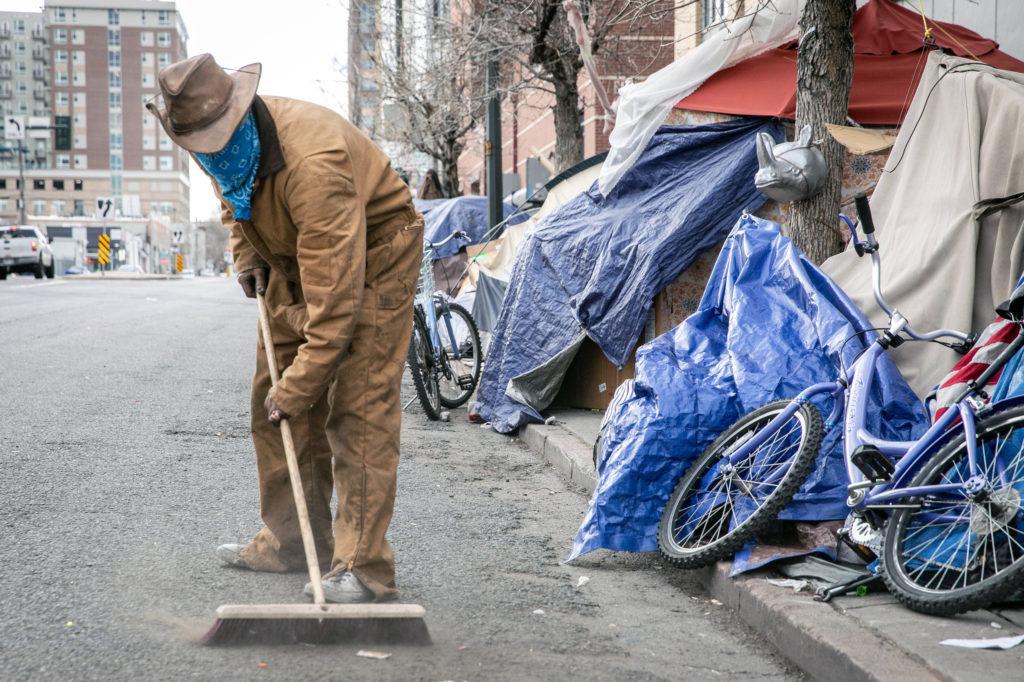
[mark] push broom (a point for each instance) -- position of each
(319, 622)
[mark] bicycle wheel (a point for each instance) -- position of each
(459, 377)
(717, 507)
(421, 365)
(961, 551)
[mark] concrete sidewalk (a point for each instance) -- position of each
(850, 638)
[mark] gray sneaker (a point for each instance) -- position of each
(343, 588)
(232, 555)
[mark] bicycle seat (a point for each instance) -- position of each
(1013, 307)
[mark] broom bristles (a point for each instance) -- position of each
(236, 631)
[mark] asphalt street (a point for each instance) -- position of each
(125, 459)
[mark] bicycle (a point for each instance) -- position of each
(945, 519)
(445, 371)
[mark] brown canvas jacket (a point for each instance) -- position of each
(324, 193)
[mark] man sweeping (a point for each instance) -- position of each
(325, 230)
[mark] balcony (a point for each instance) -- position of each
(41, 54)
(5, 92)
(5, 50)
(38, 74)
(38, 32)
(5, 71)
(5, 30)
(40, 94)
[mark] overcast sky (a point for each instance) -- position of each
(297, 41)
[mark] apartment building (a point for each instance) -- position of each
(24, 79)
(101, 60)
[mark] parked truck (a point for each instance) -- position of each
(24, 248)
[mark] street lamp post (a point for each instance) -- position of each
(493, 144)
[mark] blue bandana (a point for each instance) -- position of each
(234, 167)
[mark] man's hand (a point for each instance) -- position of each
(254, 281)
(274, 413)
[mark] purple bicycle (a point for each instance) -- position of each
(942, 513)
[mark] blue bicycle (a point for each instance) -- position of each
(444, 352)
(942, 513)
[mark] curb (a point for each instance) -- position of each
(815, 637)
(123, 277)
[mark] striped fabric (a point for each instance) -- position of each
(990, 344)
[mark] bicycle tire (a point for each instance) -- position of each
(979, 595)
(727, 545)
(474, 337)
(424, 379)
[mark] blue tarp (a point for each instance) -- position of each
(595, 264)
(441, 217)
(769, 325)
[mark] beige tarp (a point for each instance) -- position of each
(962, 142)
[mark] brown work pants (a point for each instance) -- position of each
(350, 436)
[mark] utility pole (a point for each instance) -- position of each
(493, 145)
(22, 214)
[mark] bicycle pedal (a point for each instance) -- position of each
(465, 381)
(875, 466)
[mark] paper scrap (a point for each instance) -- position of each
(538, 612)
(796, 585)
(582, 581)
(994, 643)
(378, 655)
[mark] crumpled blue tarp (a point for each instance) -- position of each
(769, 325)
(596, 263)
(441, 217)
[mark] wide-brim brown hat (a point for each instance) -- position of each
(201, 104)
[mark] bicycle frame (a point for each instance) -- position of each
(427, 298)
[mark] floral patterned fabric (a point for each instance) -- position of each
(234, 167)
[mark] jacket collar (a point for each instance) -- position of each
(271, 156)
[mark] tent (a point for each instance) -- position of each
(491, 267)
(889, 56)
(593, 266)
(441, 217)
(946, 264)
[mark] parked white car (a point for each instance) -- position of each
(24, 248)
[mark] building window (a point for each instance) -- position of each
(60, 35)
(63, 161)
(61, 98)
(79, 205)
(60, 56)
(20, 48)
(163, 39)
(113, 17)
(114, 79)
(19, 27)
(148, 163)
(113, 37)
(712, 12)
(147, 80)
(58, 207)
(115, 185)
(116, 162)
(3, 205)
(80, 142)
(165, 142)
(77, 183)
(166, 163)
(81, 161)
(60, 78)
(78, 36)
(148, 142)
(115, 100)
(147, 59)
(60, 15)
(39, 184)
(21, 67)
(78, 57)
(78, 99)
(38, 207)
(116, 141)
(146, 39)
(78, 78)
(58, 185)
(114, 58)
(164, 59)
(115, 119)
(163, 18)
(3, 183)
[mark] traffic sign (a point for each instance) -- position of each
(179, 263)
(14, 128)
(104, 207)
(103, 252)
(39, 127)
(177, 237)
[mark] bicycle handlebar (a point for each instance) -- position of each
(457, 234)
(871, 247)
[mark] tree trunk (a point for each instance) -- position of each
(568, 123)
(824, 74)
(449, 175)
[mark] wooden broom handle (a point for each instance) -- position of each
(308, 543)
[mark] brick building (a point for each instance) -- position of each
(99, 60)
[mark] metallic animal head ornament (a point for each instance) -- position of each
(789, 171)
